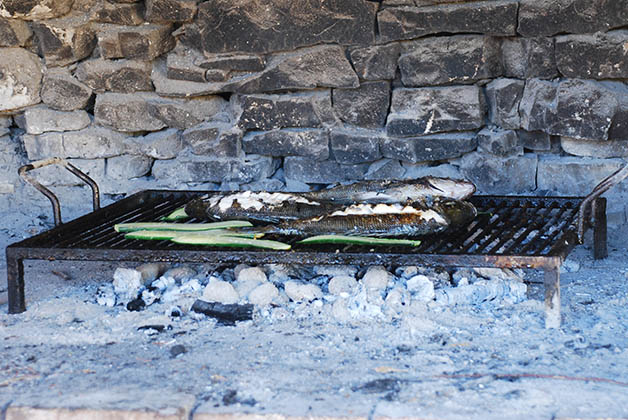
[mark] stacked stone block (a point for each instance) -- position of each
(520, 96)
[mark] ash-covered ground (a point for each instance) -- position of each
(484, 357)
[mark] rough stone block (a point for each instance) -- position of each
(486, 17)
(186, 113)
(572, 108)
(90, 143)
(225, 26)
(308, 68)
(376, 62)
(34, 9)
(537, 141)
(597, 56)
(126, 112)
(349, 147)
(6, 121)
(312, 143)
(14, 33)
(451, 59)
(597, 149)
(214, 139)
(385, 169)
(117, 76)
(143, 42)
(432, 110)
(184, 88)
(267, 112)
(503, 98)
(366, 106)
(165, 144)
(233, 62)
(321, 172)
(497, 142)
(64, 41)
(182, 64)
(61, 91)
(20, 78)
(551, 17)
(119, 14)
(526, 58)
(573, 176)
(419, 170)
(513, 175)
(170, 11)
(619, 126)
(126, 167)
(60, 177)
(428, 148)
(245, 170)
(41, 119)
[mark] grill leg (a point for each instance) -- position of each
(600, 250)
(15, 282)
(552, 297)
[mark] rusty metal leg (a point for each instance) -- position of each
(600, 250)
(552, 297)
(15, 282)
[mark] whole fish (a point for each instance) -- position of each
(257, 206)
(395, 191)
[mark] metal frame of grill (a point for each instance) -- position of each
(509, 232)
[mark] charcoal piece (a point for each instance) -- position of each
(226, 314)
(177, 350)
(154, 327)
(136, 305)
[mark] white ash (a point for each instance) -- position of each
(335, 270)
(164, 283)
(493, 273)
(302, 292)
(570, 266)
(377, 277)
(106, 295)
(220, 291)
(151, 295)
(151, 272)
(127, 284)
(483, 291)
(421, 287)
(248, 279)
(181, 274)
(343, 284)
(264, 294)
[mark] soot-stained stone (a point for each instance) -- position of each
(428, 148)
(525, 58)
(267, 112)
(537, 141)
(185, 113)
(497, 142)
(349, 147)
(447, 60)
(512, 175)
(366, 106)
(619, 126)
(574, 176)
(201, 169)
(20, 78)
(233, 62)
(597, 149)
(432, 110)
(143, 42)
(503, 98)
(64, 41)
(488, 17)
(126, 112)
(170, 11)
(308, 68)
(123, 76)
(90, 143)
(34, 9)
(376, 62)
(126, 167)
(165, 144)
(551, 17)
(321, 172)
(119, 14)
(289, 142)
(571, 108)
(182, 64)
(214, 139)
(40, 119)
(14, 33)
(385, 169)
(61, 91)
(598, 56)
(251, 26)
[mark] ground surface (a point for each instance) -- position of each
(484, 362)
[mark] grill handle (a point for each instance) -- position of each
(56, 208)
(589, 201)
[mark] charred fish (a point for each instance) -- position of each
(395, 191)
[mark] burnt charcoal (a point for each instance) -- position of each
(377, 386)
(136, 305)
(177, 350)
(154, 327)
(226, 314)
(175, 312)
(231, 397)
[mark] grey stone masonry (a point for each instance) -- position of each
(61, 91)
(90, 143)
(433, 110)
(64, 41)
(597, 149)
(551, 17)
(34, 9)
(377, 62)
(233, 62)
(321, 172)
(511, 175)
(125, 112)
(116, 76)
(485, 17)
(429, 148)
(41, 119)
(366, 106)
(170, 11)
(143, 42)
(165, 144)
(385, 169)
(182, 64)
(119, 14)
(619, 126)
(349, 147)
(214, 139)
(201, 169)
(597, 56)
(497, 142)
(503, 98)
(185, 113)
(128, 166)
(535, 140)
(313, 143)
(20, 81)
(14, 33)
(525, 58)
(450, 60)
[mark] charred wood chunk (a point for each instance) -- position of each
(226, 314)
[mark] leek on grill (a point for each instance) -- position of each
(221, 240)
(178, 214)
(161, 235)
(358, 240)
(181, 227)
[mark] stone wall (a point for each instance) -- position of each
(522, 97)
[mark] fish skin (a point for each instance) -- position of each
(395, 191)
(457, 212)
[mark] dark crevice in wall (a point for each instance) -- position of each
(225, 95)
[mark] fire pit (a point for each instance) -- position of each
(509, 232)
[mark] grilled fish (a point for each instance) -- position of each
(257, 206)
(395, 191)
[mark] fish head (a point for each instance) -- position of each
(458, 212)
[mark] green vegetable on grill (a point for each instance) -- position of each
(358, 240)
(178, 214)
(181, 227)
(221, 240)
(161, 235)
